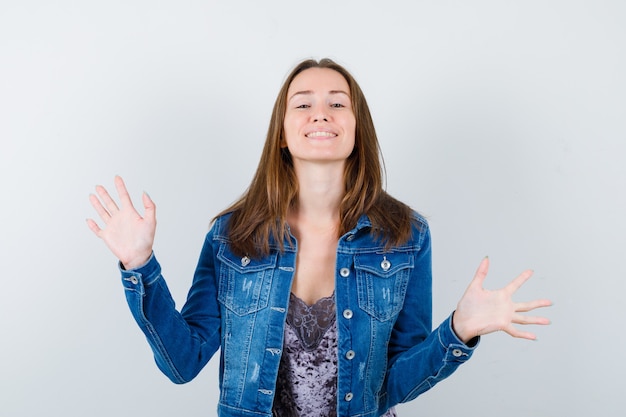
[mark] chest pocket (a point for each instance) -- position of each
(382, 281)
(244, 283)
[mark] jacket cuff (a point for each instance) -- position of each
(456, 350)
(143, 275)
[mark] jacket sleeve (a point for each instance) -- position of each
(182, 342)
(419, 358)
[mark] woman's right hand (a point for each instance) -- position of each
(126, 233)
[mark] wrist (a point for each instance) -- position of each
(135, 262)
(460, 329)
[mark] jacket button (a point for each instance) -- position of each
(245, 261)
(385, 264)
(134, 280)
(344, 272)
(349, 396)
(457, 353)
(350, 238)
(350, 355)
(347, 313)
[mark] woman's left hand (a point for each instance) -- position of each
(482, 311)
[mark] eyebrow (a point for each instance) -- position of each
(308, 92)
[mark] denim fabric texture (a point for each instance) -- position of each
(387, 350)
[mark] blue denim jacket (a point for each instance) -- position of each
(387, 352)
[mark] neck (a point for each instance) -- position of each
(321, 188)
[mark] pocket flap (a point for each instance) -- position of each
(383, 264)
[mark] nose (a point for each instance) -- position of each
(320, 114)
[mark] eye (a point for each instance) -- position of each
(337, 105)
(303, 106)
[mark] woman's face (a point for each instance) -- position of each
(319, 122)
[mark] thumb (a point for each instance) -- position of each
(481, 272)
(149, 207)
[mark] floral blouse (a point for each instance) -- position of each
(307, 376)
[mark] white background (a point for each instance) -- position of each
(501, 121)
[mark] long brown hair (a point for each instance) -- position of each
(260, 214)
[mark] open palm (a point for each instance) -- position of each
(126, 233)
(481, 311)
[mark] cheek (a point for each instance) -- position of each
(289, 132)
(353, 135)
(291, 123)
(352, 127)
(291, 127)
(286, 132)
(351, 121)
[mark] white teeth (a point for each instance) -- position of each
(321, 135)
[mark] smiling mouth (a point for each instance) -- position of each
(321, 135)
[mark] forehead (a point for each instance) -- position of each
(318, 80)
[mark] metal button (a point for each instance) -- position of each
(344, 272)
(134, 280)
(350, 238)
(350, 355)
(347, 313)
(457, 353)
(349, 396)
(245, 261)
(385, 264)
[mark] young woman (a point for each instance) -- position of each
(316, 284)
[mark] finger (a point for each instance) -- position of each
(106, 199)
(522, 319)
(94, 227)
(97, 205)
(518, 281)
(125, 200)
(511, 330)
(481, 272)
(531, 305)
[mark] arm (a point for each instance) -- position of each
(182, 342)
(418, 358)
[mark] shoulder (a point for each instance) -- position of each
(418, 219)
(420, 230)
(219, 226)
